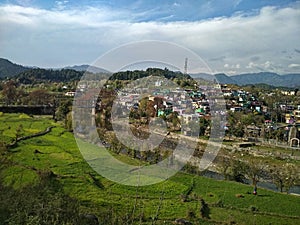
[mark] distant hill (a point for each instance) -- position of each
(224, 79)
(288, 80)
(204, 76)
(38, 75)
(137, 74)
(9, 69)
(273, 79)
(91, 69)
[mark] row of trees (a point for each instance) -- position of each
(137, 74)
(12, 95)
(238, 122)
(283, 176)
(38, 75)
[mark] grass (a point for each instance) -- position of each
(57, 151)
(278, 150)
(11, 122)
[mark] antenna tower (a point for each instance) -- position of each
(185, 65)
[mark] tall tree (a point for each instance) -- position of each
(284, 177)
(9, 92)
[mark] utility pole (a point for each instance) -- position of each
(185, 65)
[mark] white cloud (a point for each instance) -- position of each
(251, 65)
(294, 65)
(234, 66)
(246, 43)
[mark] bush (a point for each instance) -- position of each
(253, 208)
(204, 210)
(190, 214)
(42, 204)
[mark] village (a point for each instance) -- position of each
(280, 119)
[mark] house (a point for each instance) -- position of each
(289, 118)
(236, 109)
(227, 92)
(288, 93)
(269, 123)
(70, 94)
(253, 131)
(297, 116)
(257, 106)
(186, 118)
(179, 110)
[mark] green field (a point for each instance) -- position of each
(56, 153)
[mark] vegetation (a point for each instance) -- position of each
(137, 74)
(51, 167)
(44, 179)
(9, 69)
(48, 75)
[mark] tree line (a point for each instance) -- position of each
(41, 75)
(137, 74)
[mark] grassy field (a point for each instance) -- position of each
(178, 197)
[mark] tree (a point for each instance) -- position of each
(225, 164)
(203, 123)
(235, 126)
(255, 171)
(204, 210)
(9, 92)
(146, 108)
(68, 122)
(284, 177)
(238, 170)
(19, 131)
(173, 121)
(44, 203)
(63, 109)
(39, 97)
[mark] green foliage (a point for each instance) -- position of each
(238, 170)
(137, 74)
(203, 124)
(204, 209)
(9, 69)
(9, 92)
(68, 121)
(63, 109)
(40, 204)
(76, 188)
(285, 177)
(38, 75)
(16, 125)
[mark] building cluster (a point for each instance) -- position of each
(239, 100)
(187, 103)
(192, 104)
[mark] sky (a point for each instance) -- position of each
(232, 37)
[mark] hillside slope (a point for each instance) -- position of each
(273, 79)
(9, 69)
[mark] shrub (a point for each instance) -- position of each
(204, 210)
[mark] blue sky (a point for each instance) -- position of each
(235, 36)
(167, 10)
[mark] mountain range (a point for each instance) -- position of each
(10, 69)
(92, 69)
(273, 79)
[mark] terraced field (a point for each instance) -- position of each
(56, 155)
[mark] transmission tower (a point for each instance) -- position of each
(185, 65)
